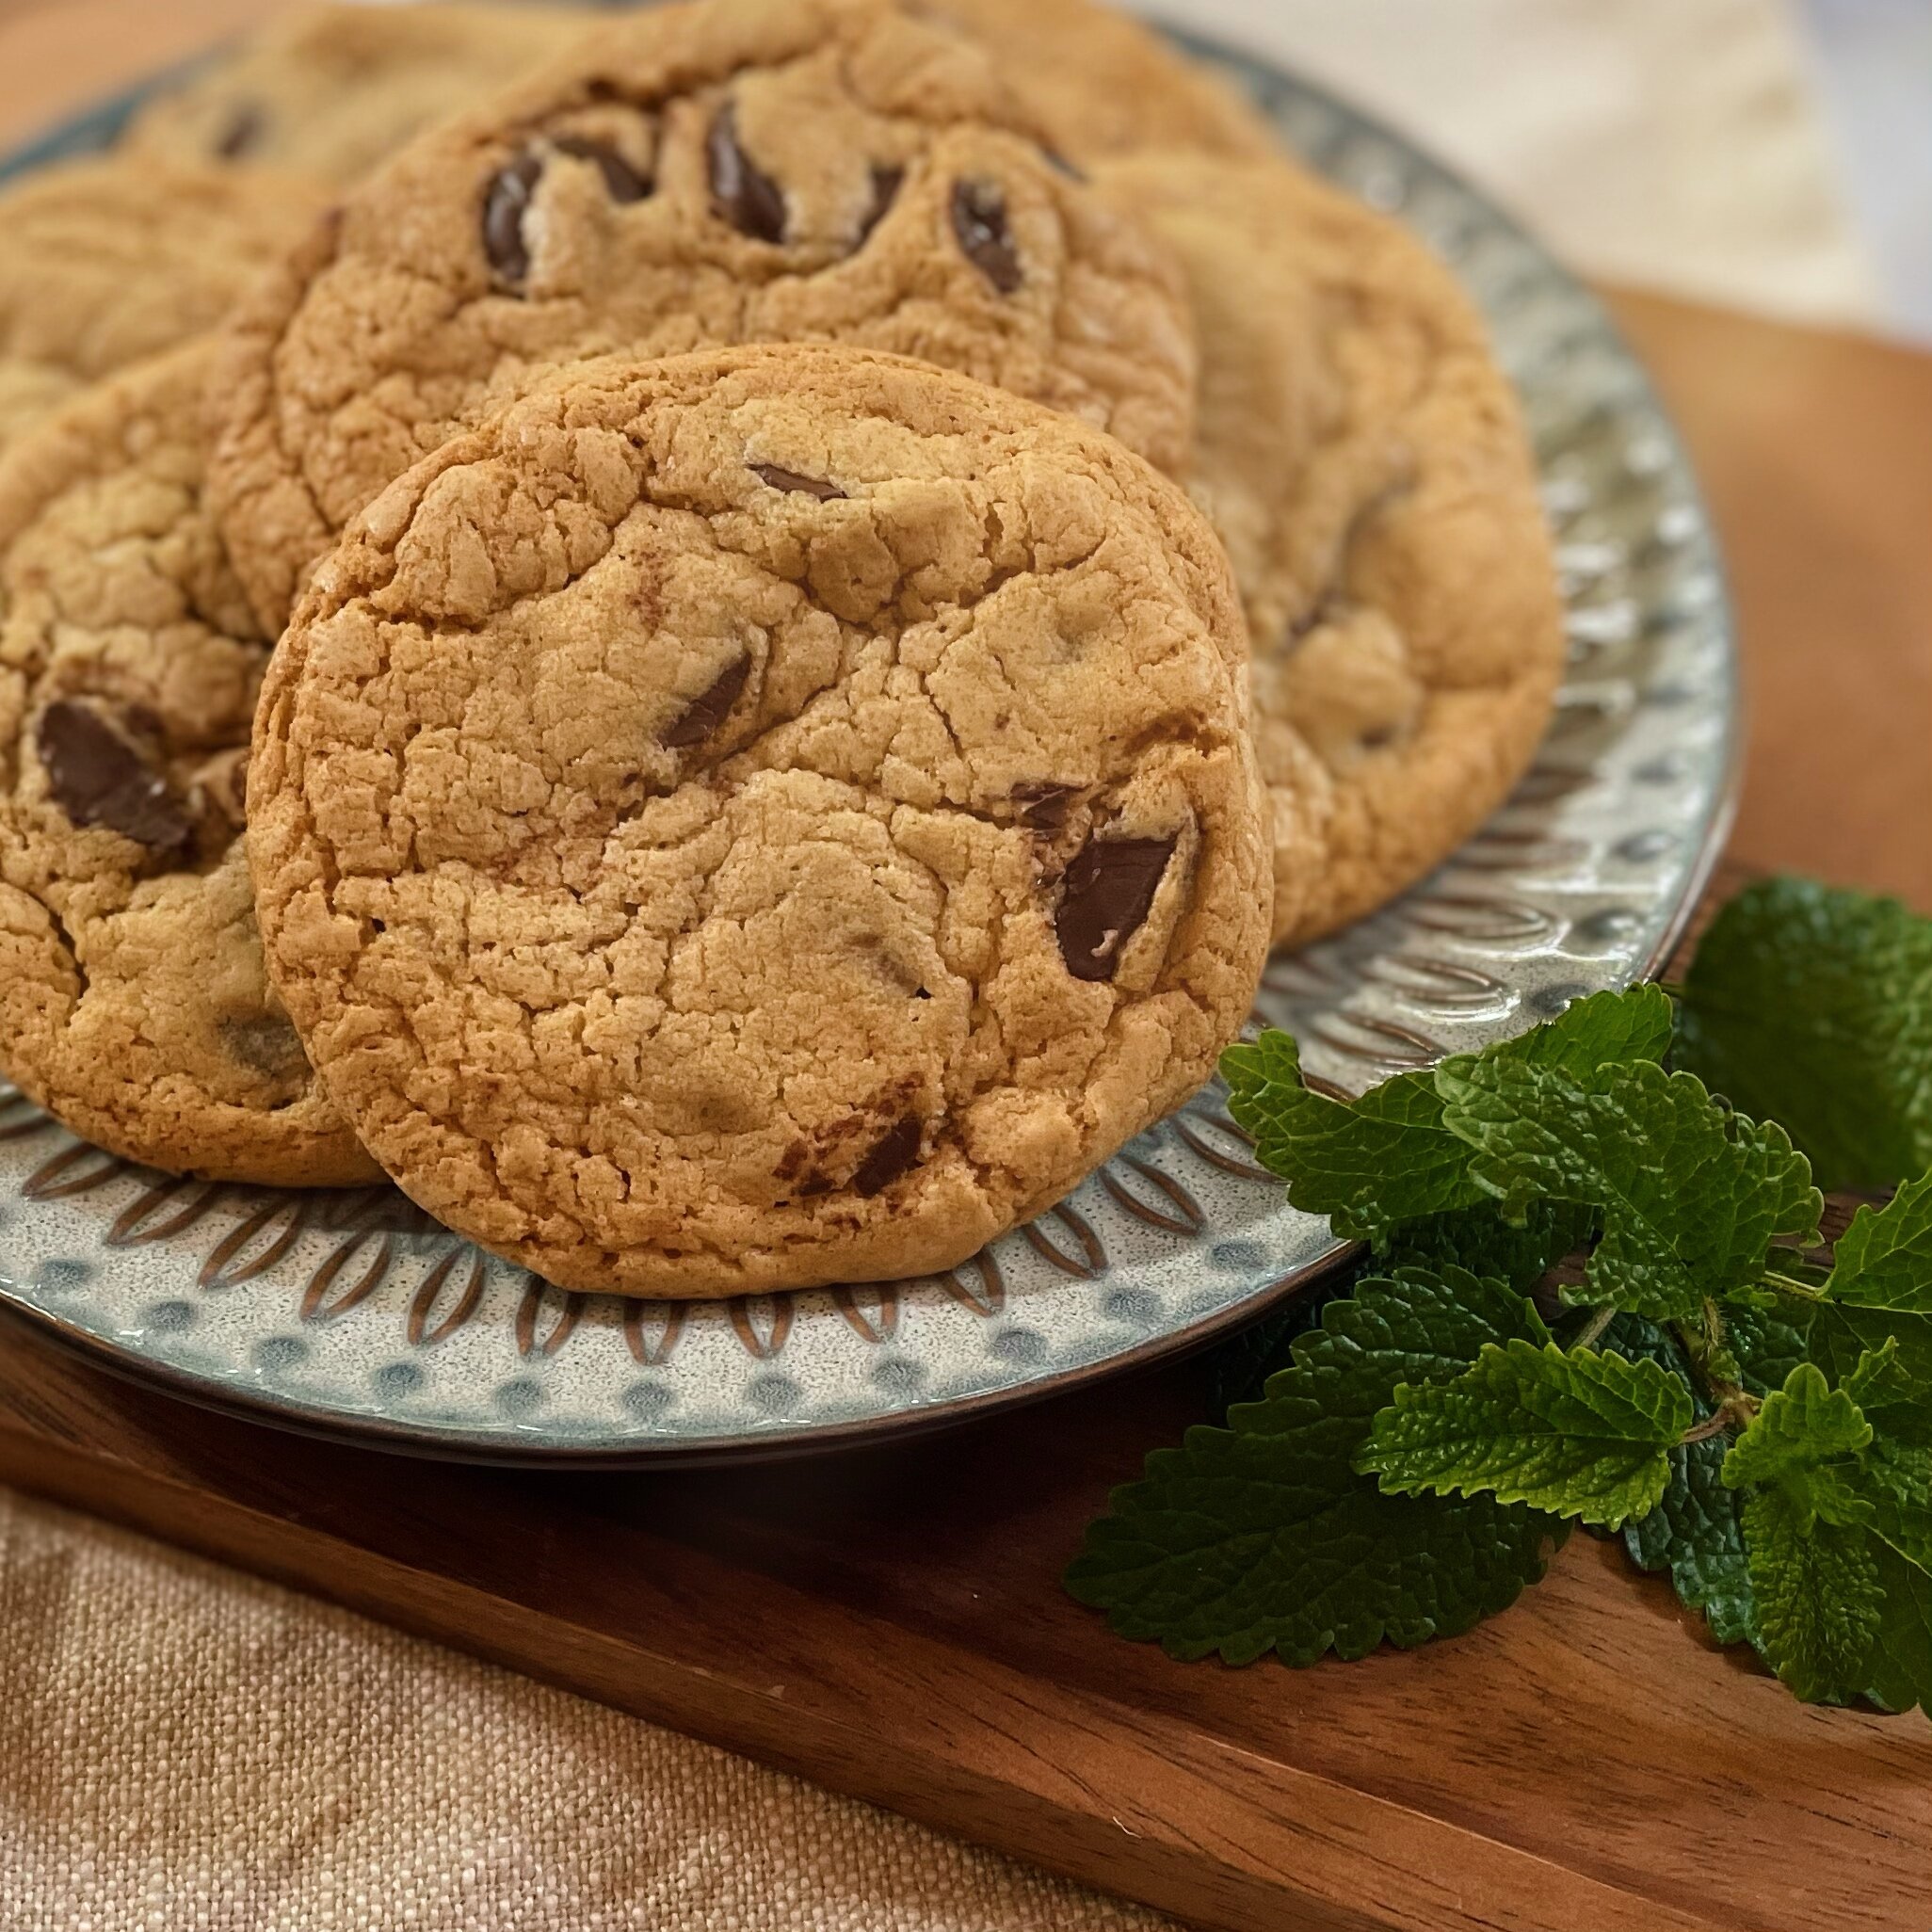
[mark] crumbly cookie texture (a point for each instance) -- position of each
(104, 262)
(331, 91)
(1363, 460)
(771, 816)
(133, 1000)
(732, 171)
(1105, 84)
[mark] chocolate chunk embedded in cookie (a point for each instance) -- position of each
(133, 1000)
(1362, 458)
(740, 170)
(771, 816)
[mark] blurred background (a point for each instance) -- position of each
(1776, 154)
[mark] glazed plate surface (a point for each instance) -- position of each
(354, 1314)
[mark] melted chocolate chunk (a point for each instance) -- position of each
(886, 183)
(243, 133)
(741, 191)
(707, 711)
(1044, 804)
(621, 182)
(891, 1155)
(803, 486)
(1106, 896)
(506, 201)
(979, 220)
(266, 1042)
(98, 778)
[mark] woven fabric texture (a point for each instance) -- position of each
(184, 1749)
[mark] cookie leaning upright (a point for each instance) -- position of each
(771, 816)
(133, 1001)
(1363, 458)
(731, 172)
(104, 262)
(332, 91)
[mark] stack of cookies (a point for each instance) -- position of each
(719, 640)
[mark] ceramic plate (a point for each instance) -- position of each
(353, 1312)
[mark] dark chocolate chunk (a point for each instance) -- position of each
(741, 191)
(891, 1155)
(980, 219)
(805, 486)
(1042, 804)
(98, 778)
(707, 711)
(621, 182)
(1106, 894)
(506, 201)
(266, 1042)
(886, 183)
(242, 133)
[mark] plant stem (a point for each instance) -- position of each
(1791, 1285)
(1593, 1330)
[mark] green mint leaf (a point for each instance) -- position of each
(1693, 1534)
(1239, 1368)
(1895, 1485)
(1582, 1434)
(1898, 1672)
(1480, 1240)
(1813, 1006)
(1366, 1167)
(1820, 1596)
(1385, 1159)
(1261, 1536)
(1838, 1338)
(1798, 1429)
(1691, 1195)
(1884, 1259)
(1898, 1483)
(1880, 1378)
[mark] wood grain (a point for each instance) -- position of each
(889, 1623)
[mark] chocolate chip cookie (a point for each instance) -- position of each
(133, 1001)
(771, 816)
(1363, 460)
(332, 91)
(1103, 83)
(104, 262)
(738, 171)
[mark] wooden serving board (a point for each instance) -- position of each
(890, 1623)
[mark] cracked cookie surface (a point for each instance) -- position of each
(331, 91)
(102, 263)
(735, 171)
(772, 816)
(133, 1002)
(1363, 458)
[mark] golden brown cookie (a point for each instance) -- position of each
(771, 816)
(104, 262)
(331, 91)
(1105, 84)
(133, 1002)
(1363, 460)
(736, 170)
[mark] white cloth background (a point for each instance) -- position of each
(186, 1750)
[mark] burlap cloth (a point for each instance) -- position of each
(184, 1749)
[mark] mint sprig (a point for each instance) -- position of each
(1759, 1426)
